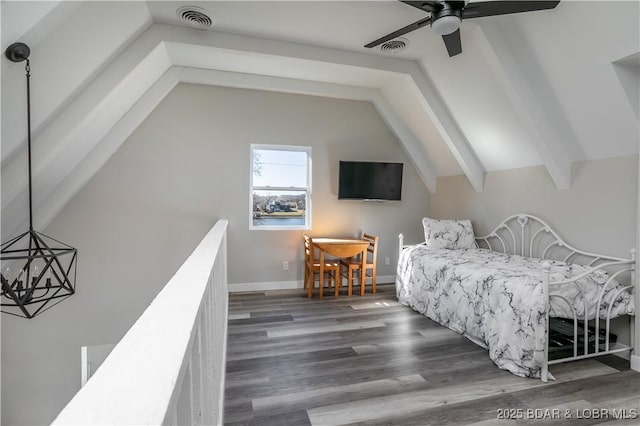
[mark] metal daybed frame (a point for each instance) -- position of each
(530, 236)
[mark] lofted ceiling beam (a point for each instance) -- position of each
(123, 129)
(421, 89)
(62, 144)
(628, 69)
(110, 143)
(63, 62)
(80, 129)
(413, 147)
(387, 74)
(530, 94)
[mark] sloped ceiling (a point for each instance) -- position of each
(529, 89)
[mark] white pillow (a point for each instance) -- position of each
(448, 234)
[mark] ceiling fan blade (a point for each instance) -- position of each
(425, 6)
(453, 43)
(493, 8)
(412, 27)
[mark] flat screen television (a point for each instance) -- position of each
(362, 180)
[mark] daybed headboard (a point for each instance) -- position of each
(530, 236)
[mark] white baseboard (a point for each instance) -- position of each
(635, 362)
(623, 355)
(265, 286)
(287, 285)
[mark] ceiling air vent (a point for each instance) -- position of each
(395, 45)
(194, 16)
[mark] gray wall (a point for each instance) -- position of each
(141, 215)
(598, 212)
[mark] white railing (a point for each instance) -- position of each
(170, 366)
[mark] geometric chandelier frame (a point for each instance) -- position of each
(37, 272)
(45, 275)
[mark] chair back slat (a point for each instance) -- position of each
(309, 249)
(372, 249)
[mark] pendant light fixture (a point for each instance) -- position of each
(37, 271)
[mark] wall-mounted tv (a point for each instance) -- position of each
(362, 180)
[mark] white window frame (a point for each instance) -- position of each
(307, 189)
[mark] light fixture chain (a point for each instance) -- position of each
(27, 69)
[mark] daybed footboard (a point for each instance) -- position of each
(589, 309)
(602, 306)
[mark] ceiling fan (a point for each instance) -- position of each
(446, 17)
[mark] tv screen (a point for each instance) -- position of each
(361, 180)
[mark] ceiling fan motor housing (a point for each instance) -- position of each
(446, 19)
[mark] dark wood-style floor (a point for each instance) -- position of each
(368, 360)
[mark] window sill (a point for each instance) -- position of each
(280, 228)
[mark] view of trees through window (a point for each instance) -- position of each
(280, 187)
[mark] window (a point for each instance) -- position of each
(280, 187)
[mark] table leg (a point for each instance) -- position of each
(363, 274)
(311, 283)
(321, 281)
(373, 281)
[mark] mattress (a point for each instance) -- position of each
(495, 299)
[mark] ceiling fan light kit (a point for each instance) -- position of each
(446, 25)
(446, 17)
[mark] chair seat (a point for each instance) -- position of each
(354, 263)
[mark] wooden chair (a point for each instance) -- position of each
(353, 264)
(312, 267)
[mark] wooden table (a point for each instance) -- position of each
(340, 248)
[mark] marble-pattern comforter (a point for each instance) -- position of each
(495, 299)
